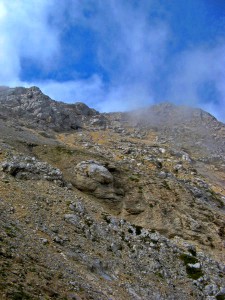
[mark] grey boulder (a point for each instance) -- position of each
(93, 178)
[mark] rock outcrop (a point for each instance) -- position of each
(36, 110)
(92, 177)
(29, 168)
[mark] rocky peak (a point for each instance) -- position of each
(34, 109)
(182, 127)
(168, 114)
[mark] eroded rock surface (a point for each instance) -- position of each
(92, 177)
(29, 168)
(144, 218)
(31, 107)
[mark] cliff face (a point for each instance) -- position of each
(109, 206)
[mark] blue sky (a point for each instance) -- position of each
(117, 55)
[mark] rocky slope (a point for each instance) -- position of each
(109, 206)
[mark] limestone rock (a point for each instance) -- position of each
(92, 177)
(39, 111)
(26, 167)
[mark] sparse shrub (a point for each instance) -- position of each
(137, 229)
(193, 272)
(188, 259)
(220, 297)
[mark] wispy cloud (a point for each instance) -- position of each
(197, 78)
(131, 54)
(90, 90)
(25, 33)
(128, 48)
(131, 48)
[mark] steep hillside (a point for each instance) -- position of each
(109, 206)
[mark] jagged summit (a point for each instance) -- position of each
(31, 107)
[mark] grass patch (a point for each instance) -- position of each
(20, 295)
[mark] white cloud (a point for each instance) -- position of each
(3, 11)
(130, 45)
(95, 94)
(127, 48)
(126, 97)
(25, 33)
(193, 69)
(130, 48)
(89, 91)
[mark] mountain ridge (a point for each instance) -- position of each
(114, 205)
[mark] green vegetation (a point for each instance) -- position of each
(220, 297)
(188, 259)
(192, 251)
(159, 275)
(3, 273)
(20, 295)
(193, 273)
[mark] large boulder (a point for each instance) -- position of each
(93, 178)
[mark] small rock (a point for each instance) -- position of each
(211, 289)
(162, 175)
(44, 241)
(221, 294)
(58, 240)
(195, 266)
(177, 167)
